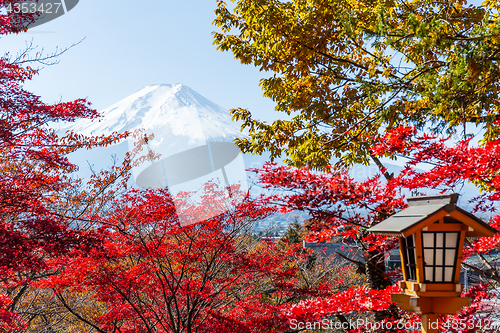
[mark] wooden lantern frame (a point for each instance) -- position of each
(431, 214)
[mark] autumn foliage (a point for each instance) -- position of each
(104, 257)
(33, 181)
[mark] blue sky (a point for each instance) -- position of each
(128, 46)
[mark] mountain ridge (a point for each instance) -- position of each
(166, 108)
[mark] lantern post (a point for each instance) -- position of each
(431, 233)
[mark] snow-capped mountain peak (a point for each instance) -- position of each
(166, 110)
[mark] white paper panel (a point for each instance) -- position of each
(429, 256)
(448, 274)
(428, 274)
(451, 239)
(450, 257)
(439, 257)
(439, 274)
(439, 239)
(428, 240)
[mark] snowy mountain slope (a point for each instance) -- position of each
(192, 136)
(176, 109)
(179, 118)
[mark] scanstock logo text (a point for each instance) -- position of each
(32, 13)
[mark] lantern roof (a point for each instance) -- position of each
(425, 210)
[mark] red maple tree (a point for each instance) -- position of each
(339, 206)
(33, 179)
(154, 275)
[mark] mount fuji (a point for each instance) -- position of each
(178, 116)
(174, 108)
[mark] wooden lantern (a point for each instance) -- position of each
(431, 232)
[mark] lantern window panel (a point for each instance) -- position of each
(450, 257)
(439, 255)
(429, 272)
(451, 239)
(438, 236)
(448, 273)
(438, 274)
(429, 253)
(410, 258)
(428, 239)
